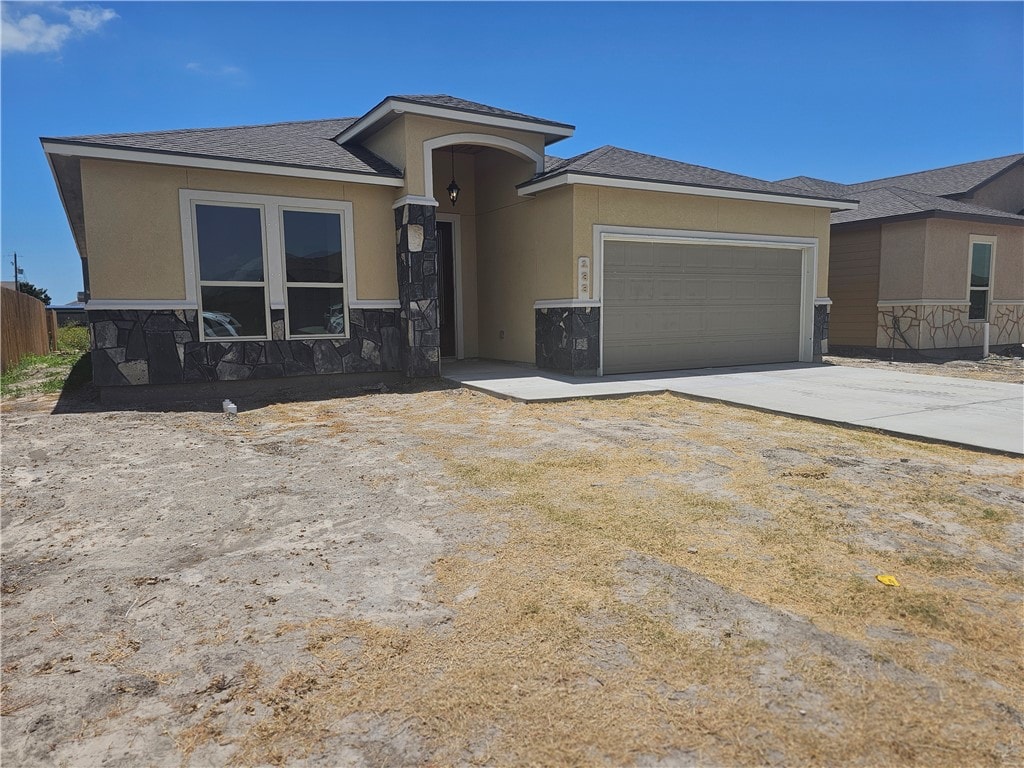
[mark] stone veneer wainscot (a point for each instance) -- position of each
(163, 347)
(945, 326)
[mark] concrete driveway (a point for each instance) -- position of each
(980, 414)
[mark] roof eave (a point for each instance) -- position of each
(532, 187)
(388, 109)
(76, 222)
(59, 146)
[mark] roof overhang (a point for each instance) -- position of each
(391, 108)
(157, 157)
(530, 188)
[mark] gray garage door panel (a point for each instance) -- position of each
(692, 306)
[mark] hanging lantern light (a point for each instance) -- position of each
(453, 188)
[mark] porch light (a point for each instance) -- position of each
(453, 188)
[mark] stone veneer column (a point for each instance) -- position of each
(820, 345)
(416, 242)
(568, 339)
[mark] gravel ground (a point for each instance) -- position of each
(993, 368)
(384, 580)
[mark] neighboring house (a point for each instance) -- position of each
(928, 258)
(339, 246)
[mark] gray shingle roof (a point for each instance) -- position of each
(614, 162)
(950, 180)
(887, 202)
(462, 105)
(302, 144)
(818, 186)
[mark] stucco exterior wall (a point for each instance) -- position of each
(854, 257)
(948, 254)
(133, 225)
(901, 269)
(664, 210)
(1004, 193)
(930, 306)
(465, 174)
(525, 254)
(401, 144)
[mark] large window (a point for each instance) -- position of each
(980, 281)
(314, 273)
(232, 270)
(251, 254)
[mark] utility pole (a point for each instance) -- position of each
(17, 284)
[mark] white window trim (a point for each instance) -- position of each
(263, 284)
(808, 247)
(272, 207)
(989, 240)
(345, 214)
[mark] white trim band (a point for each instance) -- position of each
(560, 303)
(530, 189)
(190, 161)
(375, 304)
(823, 302)
(924, 303)
(415, 200)
(101, 304)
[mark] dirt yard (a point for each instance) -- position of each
(441, 578)
(1004, 368)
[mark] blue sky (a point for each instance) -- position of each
(843, 91)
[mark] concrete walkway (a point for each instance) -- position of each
(980, 414)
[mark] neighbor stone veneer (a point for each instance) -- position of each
(820, 343)
(416, 245)
(569, 339)
(945, 326)
(163, 347)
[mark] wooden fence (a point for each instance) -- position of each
(27, 327)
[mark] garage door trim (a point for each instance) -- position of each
(808, 246)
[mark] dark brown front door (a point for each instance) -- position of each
(446, 286)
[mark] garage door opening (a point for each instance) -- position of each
(676, 304)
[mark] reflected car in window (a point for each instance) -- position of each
(220, 324)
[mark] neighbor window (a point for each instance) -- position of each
(255, 253)
(980, 279)
(232, 270)
(314, 273)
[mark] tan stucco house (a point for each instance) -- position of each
(430, 229)
(928, 259)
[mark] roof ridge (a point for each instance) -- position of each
(1016, 156)
(208, 129)
(916, 203)
(593, 155)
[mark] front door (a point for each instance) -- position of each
(446, 286)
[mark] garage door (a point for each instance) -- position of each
(683, 305)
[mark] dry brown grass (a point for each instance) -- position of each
(548, 658)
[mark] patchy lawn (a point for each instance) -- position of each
(439, 578)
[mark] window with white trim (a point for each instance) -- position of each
(232, 267)
(980, 278)
(314, 273)
(253, 253)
